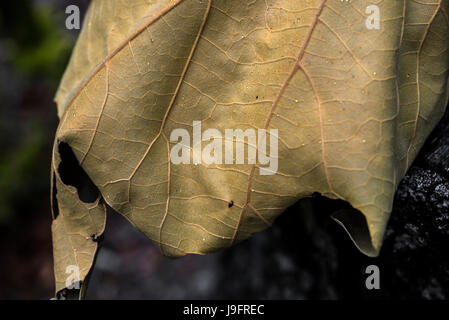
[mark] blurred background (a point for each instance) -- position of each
(304, 255)
(34, 50)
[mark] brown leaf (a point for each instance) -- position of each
(352, 103)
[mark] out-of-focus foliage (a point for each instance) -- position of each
(37, 46)
(33, 53)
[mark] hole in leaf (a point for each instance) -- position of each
(72, 174)
(55, 206)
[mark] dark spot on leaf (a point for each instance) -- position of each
(72, 174)
(230, 204)
(257, 97)
(94, 238)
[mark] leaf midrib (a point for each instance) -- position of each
(296, 66)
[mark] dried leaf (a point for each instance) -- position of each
(353, 87)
